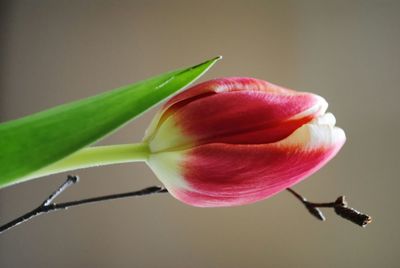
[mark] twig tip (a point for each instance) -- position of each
(73, 178)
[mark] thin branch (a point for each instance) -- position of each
(71, 180)
(340, 206)
(312, 209)
(49, 206)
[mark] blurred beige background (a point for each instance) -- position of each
(53, 52)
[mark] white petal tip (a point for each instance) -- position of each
(325, 119)
(322, 105)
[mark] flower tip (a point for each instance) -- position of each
(322, 104)
(340, 135)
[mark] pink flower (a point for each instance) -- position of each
(234, 141)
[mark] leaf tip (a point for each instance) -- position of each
(219, 57)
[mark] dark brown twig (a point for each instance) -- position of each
(49, 206)
(340, 206)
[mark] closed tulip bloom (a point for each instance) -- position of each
(234, 141)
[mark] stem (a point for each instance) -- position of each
(96, 156)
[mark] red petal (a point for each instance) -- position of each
(226, 175)
(238, 111)
(247, 117)
(227, 84)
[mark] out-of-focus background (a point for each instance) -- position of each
(52, 52)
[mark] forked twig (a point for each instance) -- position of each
(49, 206)
(340, 205)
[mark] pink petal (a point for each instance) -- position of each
(227, 175)
(241, 111)
(246, 117)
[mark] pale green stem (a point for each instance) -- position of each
(96, 156)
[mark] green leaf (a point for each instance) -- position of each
(35, 141)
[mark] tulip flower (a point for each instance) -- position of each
(235, 141)
(227, 142)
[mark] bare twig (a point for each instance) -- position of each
(340, 207)
(49, 206)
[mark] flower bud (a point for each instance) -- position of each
(234, 141)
